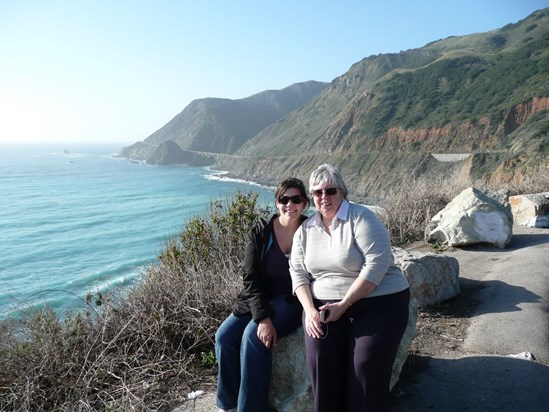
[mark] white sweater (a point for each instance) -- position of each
(359, 245)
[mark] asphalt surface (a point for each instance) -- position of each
(511, 287)
(511, 317)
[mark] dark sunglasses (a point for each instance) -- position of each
(328, 192)
(296, 200)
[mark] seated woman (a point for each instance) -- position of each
(342, 265)
(265, 310)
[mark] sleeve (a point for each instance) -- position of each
(298, 270)
(373, 240)
(255, 288)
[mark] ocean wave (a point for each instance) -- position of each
(221, 175)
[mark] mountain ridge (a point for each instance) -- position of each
(221, 125)
(486, 94)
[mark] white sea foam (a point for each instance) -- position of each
(221, 175)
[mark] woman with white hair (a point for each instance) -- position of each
(355, 299)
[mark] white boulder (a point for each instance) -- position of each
(433, 278)
(471, 218)
(531, 210)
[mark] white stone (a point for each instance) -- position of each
(531, 210)
(433, 278)
(470, 218)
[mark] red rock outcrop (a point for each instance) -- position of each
(467, 136)
(521, 112)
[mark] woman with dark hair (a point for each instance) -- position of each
(355, 299)
(265, 309)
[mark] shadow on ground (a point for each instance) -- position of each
(475, 383)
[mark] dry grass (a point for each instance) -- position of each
(409, 208)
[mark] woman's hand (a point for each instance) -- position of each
(335, 310)
(312, 324)
(359, 289)
(266, 333)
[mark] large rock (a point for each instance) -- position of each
(433, 278)
(169, 153)
(531, 210)
(290, 386)
(471, 218)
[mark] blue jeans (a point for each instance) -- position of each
(244, 363)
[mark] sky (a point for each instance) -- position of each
(115, 71)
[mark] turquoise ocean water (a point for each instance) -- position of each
(75, 219)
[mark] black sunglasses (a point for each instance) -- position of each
(296, 200)
(328, 192)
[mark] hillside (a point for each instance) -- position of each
(222, 125)
(485, 96)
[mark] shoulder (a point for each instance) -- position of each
(358, 211)
(262, 225)
(364, 218)
(308, 222)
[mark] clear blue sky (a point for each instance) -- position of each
(118, 70)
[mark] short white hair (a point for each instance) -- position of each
(329, 174)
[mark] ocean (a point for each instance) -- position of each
(76, 219)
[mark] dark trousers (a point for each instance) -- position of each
(350, 367)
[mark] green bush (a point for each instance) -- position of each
(221, 231)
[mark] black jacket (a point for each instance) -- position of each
(253, 297)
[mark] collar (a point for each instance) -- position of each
(342, 214)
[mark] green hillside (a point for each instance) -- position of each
(484, 95)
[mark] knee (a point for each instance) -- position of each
(250, 341)
(250, 336)
(224, 338)
(375, 362)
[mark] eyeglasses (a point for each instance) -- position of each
(296, 200)
(328, 192)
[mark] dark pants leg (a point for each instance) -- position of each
(375, 334)
(326, 361)
(351, 368)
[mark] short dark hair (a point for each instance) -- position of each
(293, 182)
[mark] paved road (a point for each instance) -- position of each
(512, 288)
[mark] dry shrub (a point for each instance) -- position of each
(139, 350)
(408, 208)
